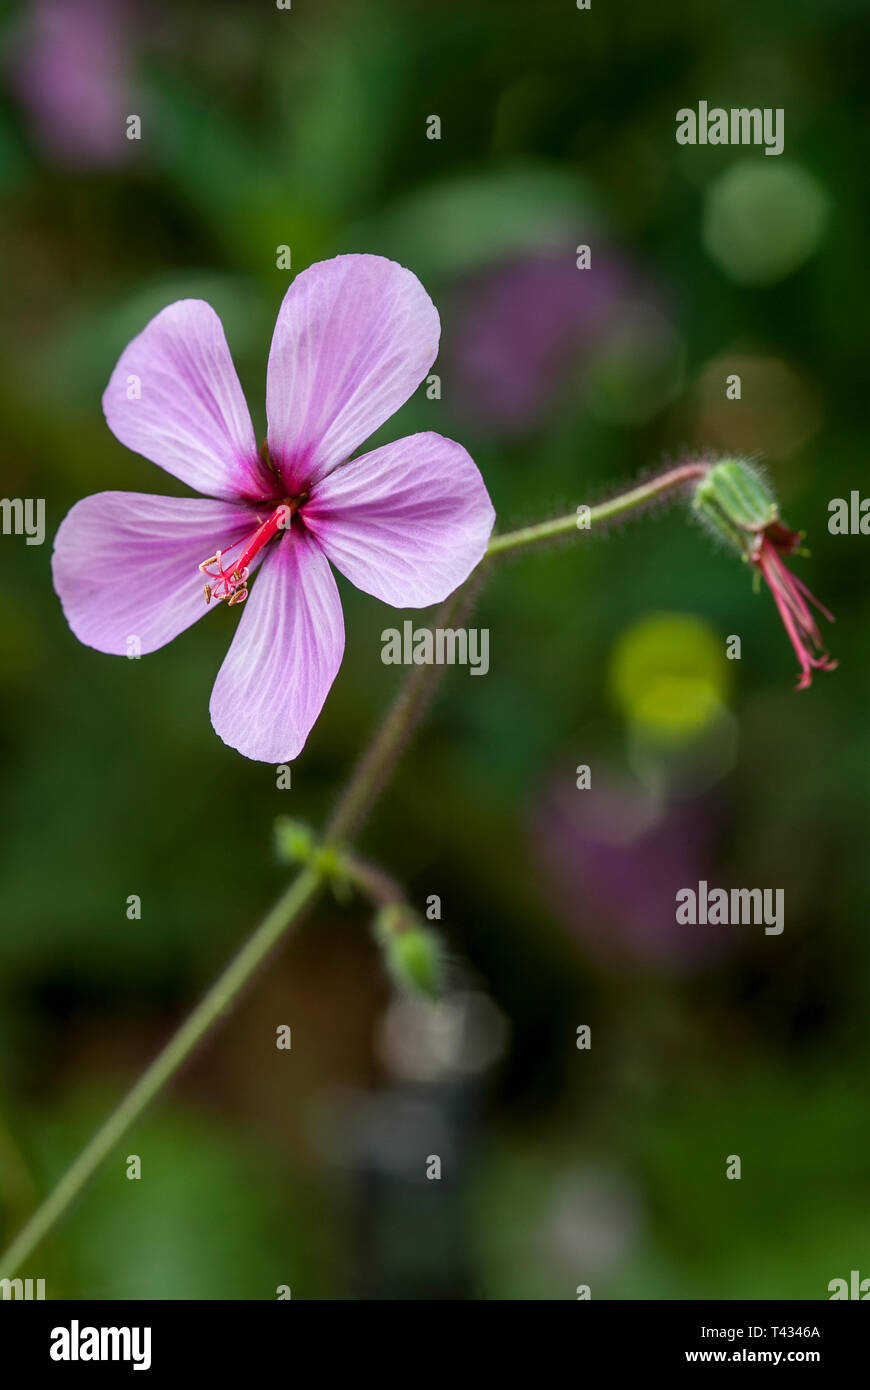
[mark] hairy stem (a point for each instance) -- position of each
(365, 785)
(604, 511)
(373, 883)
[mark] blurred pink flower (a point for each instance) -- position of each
(524, 327)
(72, 74)
(407, 522)
(617, 858)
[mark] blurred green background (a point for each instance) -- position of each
(307, 128)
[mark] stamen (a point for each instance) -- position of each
(230, 582)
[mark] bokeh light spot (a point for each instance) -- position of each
(777, 413)
(763, 219)
(669, 675)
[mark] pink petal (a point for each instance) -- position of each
(284, 656)
(355, 336)
(407, 523)
(125, 565)
(191, 417)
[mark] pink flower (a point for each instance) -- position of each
(407, 522)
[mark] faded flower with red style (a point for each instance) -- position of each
(734, 499)
(407, 522)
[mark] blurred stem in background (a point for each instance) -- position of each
(363, 789)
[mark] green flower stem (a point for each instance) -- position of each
(366, 784)
(605, 511)
(371, 882)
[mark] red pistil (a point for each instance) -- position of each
(230, 581)
(790, 596)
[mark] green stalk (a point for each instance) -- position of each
(605, 511)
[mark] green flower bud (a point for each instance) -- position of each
(329, 864)
(294, 841)
(733, 499)
(413, 954)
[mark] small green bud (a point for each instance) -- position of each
(329, 864)
(414, 960)
(733, 499)
(294, 841)
(296, 844)
(413, 953)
